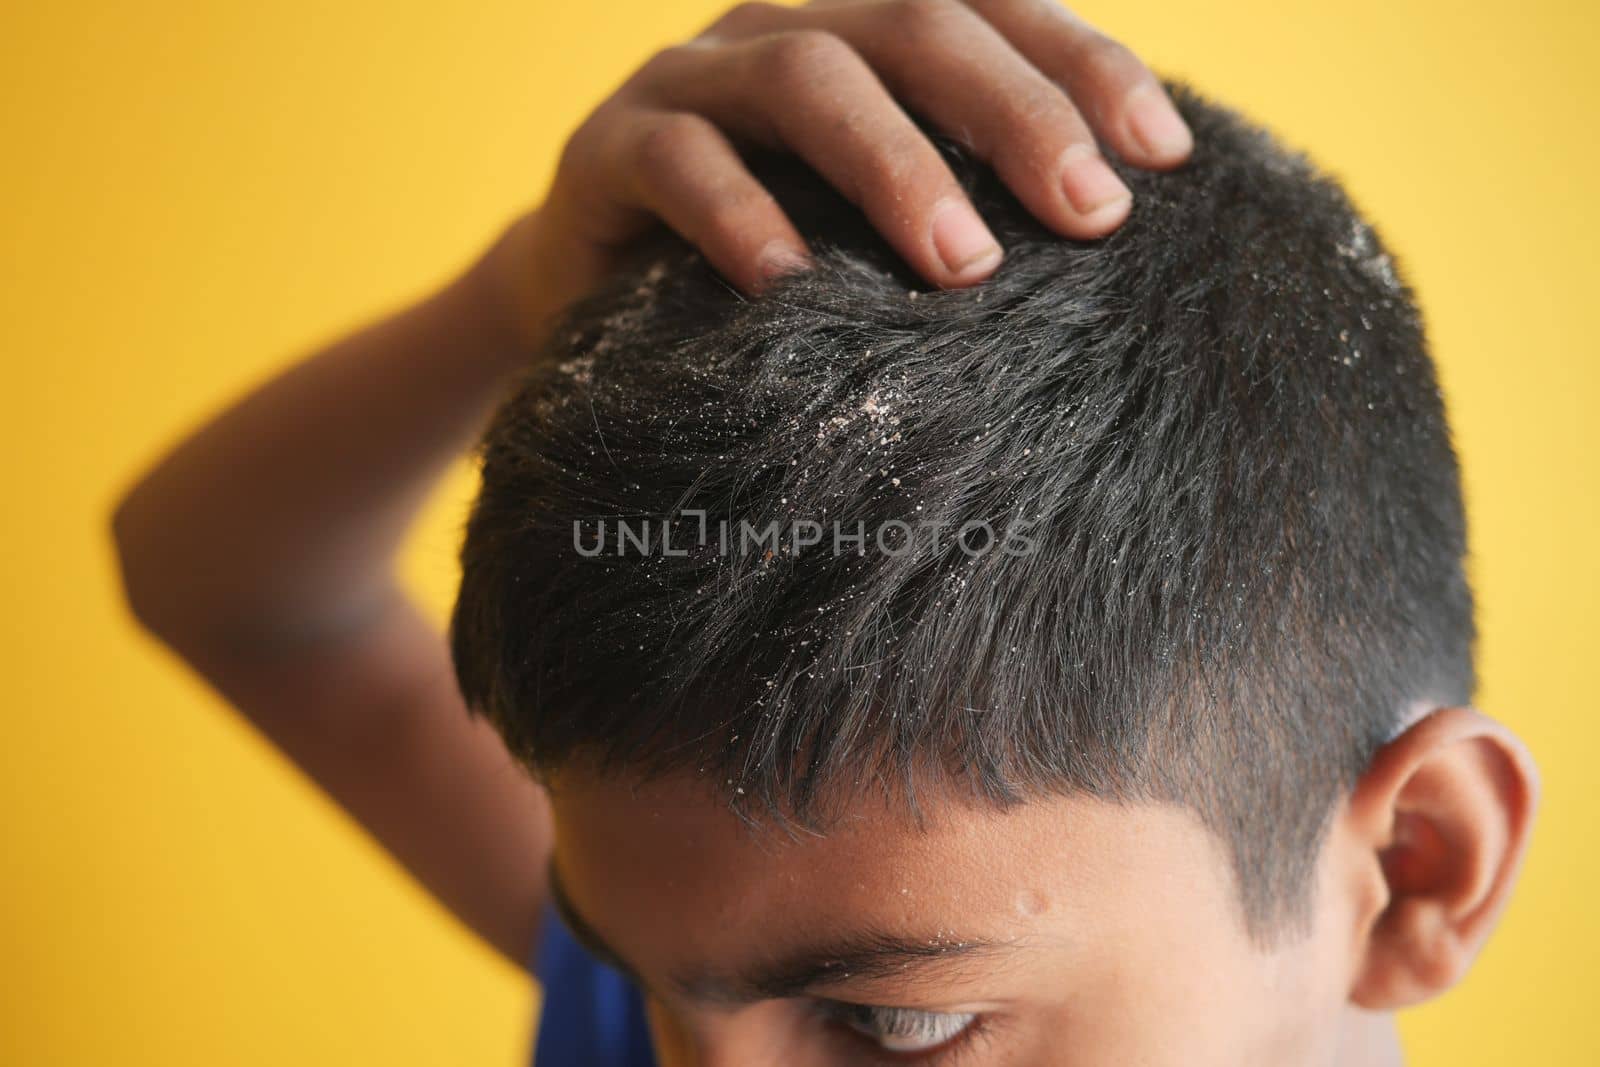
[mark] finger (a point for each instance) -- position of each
(810, 93)
(947, 63)
(1122, 99)
(682, 169)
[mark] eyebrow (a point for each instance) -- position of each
(860, 955)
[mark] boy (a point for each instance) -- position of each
(984, 647)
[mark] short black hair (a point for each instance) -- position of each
(1212, 443)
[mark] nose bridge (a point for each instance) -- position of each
(756, 1036)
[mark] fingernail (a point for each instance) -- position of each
(1156, 125)
(777, 259)
(1090, 183)
(964, 243)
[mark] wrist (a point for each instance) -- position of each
(501, 291)
(512, 285)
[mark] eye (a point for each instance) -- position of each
(902, 1029)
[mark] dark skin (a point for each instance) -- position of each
(262, 549)
(990, 937)
(1026, 85)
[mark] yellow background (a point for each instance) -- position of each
(196, 194)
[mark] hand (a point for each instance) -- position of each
(1025, 84)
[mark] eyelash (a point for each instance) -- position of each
(951, 1053)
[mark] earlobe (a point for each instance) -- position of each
(1444, 812)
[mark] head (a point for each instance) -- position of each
(1076, 668)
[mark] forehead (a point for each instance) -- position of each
(665, 872)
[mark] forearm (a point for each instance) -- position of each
(281, 516)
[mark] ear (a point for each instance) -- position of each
(1443, 814)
